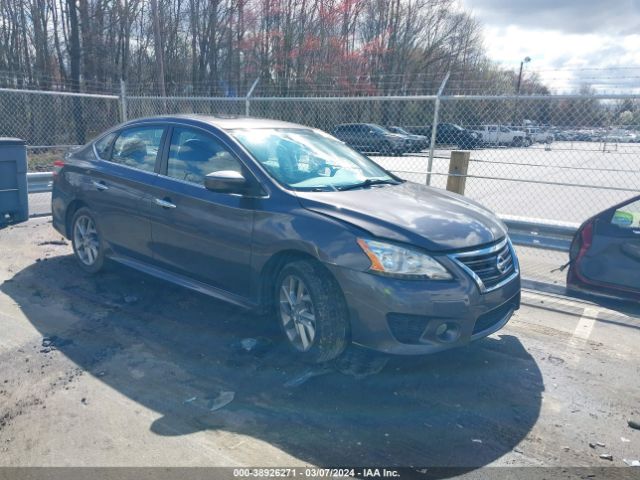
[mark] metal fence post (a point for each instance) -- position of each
(123, 100)
(247, 102)
(434, 127)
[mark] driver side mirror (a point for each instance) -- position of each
(226, 181)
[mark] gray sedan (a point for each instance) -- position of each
(287, 220)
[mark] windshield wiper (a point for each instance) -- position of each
(368, 182)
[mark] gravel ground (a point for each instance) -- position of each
(120, 369)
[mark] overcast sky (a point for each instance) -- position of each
(569, 41)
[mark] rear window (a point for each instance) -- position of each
(138, 147)
(104, 145)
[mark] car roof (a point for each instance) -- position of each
(221, 122)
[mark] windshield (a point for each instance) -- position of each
(305, 159)
(399, 130)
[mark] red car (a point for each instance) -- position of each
(605, 252)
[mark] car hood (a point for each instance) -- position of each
(430, 218)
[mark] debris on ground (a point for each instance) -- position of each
(634, 424)
(255, 346)
(222, 400)
(592, 445)
(129, 299)
(306, 375)
(54, 242)
(84, 401)
(624, 440)
(600, 444)
(248, 344)
(631, 463)
(518, 450)
(606, 456)
(360, 363)
(53, 342)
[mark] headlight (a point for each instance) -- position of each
(400, 261)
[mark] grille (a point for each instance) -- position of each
(407, 328)
(489, 319)
(489, 267)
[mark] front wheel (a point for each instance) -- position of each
(311, 311)
(87, 242)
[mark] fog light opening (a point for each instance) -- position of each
(448, 332)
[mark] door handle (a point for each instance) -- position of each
(164, 203)
(100, 185)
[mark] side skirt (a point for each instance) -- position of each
(184, 281)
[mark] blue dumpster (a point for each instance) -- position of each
(14, 200)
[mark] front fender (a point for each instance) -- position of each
(301, 231)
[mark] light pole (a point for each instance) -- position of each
(515, 106)
(524, 60)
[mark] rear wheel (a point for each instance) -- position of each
(87, 241)
(311, 311)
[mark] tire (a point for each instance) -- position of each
(517, 142)
(321, 297)
(88, 247)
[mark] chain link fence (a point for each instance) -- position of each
(558, 158)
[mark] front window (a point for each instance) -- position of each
(305, 159)
(194, 154)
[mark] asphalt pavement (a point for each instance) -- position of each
(120, 369)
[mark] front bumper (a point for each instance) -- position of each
(414, 317)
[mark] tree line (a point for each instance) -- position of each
(220, 47)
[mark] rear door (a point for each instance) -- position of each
(195, 232)
(118, 183)
(614, 255)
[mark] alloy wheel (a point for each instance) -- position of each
(297, 313)
(85, 240)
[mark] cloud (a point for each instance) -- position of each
(570, 42)
(564, 61)
(618, 17)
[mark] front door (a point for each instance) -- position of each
(196, 232)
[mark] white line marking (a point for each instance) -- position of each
(586, 323)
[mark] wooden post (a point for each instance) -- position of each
(458, 167)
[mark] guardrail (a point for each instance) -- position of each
(538, 233)
(523, 231)
(39, 182)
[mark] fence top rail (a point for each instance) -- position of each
(377, 98)
(562, 96)
(59, 93)
(288, 99)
